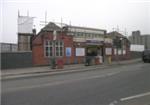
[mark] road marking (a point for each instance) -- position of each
(135, 96)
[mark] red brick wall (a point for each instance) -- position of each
(37, 51)
(38, 48)
(123, 56)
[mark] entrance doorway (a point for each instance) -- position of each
(95, 52)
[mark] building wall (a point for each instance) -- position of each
(25, 32)
(24, 42)
(122, 53)
(121, 46)
(39, 57)
(38, 52)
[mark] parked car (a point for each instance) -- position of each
(146, 55)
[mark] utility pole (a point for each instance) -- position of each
(125, 32)
(117, 28)
(18, 13)
(45, 22)
(45, 17)
(28, 13)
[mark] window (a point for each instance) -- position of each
(53, 46)
(59, 48)
(48, 48)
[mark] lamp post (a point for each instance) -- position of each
(54, 58)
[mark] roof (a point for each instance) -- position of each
(115, 34)
(51, 27)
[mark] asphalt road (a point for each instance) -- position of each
(123, 85)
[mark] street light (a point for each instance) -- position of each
(54, 41)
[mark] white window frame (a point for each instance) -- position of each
(59, 46)
(45, 46)
(53, 46)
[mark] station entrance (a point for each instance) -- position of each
(94, 54)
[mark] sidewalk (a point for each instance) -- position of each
(44, 70)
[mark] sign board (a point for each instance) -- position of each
(80, 52)
(79, 39)
(94, 42)
(68, 51)
(138, 48)
(108, 51)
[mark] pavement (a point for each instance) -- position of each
(46, 70)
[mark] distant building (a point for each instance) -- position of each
(25, 33)
(8, 47)
(138, 39)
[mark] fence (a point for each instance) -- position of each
(16, 60)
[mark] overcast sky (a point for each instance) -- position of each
(102, 14)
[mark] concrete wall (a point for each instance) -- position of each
(16, 60)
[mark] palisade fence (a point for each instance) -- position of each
(11, 60)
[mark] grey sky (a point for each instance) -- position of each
(103, 14)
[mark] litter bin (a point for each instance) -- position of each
(60, 64)
(53, 63)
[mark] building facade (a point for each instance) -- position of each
(50, 43)
(121, 46)
(72, 44)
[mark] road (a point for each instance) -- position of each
(118, 85)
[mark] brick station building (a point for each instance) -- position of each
(73, 44)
